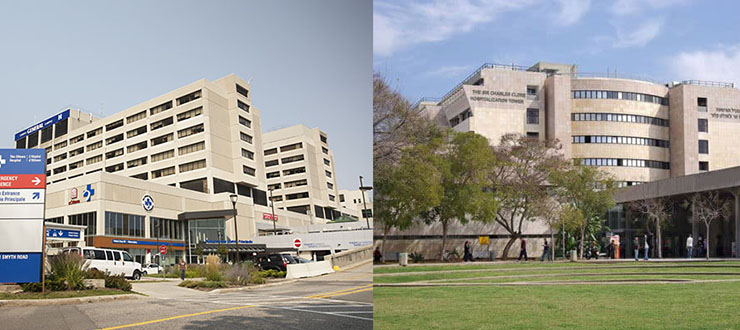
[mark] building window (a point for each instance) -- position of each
(76, 165)
(93, 160)
(703, 146)
(60, 157)
(162, 139)
(114, 168)
(296, 196)
(187, 98)
(77, 151)
(245, 122)
(325, 150)
(703, 125)
(114, 125)
(135, 132)
(190, 131)
(532, 92)
(330, 185)
(701, 102)
(275, 174)
(323, 138)
(275, 186)
(270, 163)
(120, 224)
(142, 176)
(533, 116)
(163, 172)
(187, 167)
(190, 114)
(270, 151)
(161, 123)
(136, 147)
(136, 162)
(46, 134)
(114, 153)
(242, 105)
(114, 139)
(327, 162)
(160, 108)
(168, 229)
(292, 159)
(245, 137)
(328, 174)
(247, 154)
(191, 148)
(56, 220)
(296, 170)
(85, 219)
(290, 147)
(135, 117)
(248, 170)
(95, 132)
(533, 135)
(297, 183)
(20, 143)
(703, 166)
(220, 186)
(200, 185)
(163, 155)
(33, 140)
(76, 139)
(331, 198)
(243, 91)
(61, 128)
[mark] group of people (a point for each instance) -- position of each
(700, 249)
(636, 244)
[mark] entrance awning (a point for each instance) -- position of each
(206, 214)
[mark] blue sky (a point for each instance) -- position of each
(309, 62)
(424, 48)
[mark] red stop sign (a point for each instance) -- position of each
(297, 243)
(163, 249)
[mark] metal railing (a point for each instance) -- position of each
(426, 99)
(708, 83)
(615, 75)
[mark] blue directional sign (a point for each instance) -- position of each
(44, 124)
(62, 233)
(22, 200)
(22, 161)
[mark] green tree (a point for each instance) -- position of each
(223, 252)
(406, 189)
(463, 164)
(587, 190)
(657, 211)
(519, 182)
(707, 207)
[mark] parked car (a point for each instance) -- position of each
(115, 262)
(302, 260)
(276, 261)
(152, 269)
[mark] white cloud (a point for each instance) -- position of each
(629, 7)
(397, 26)
(452, 71)
(639, 36)
(571, 11)
(711, 65)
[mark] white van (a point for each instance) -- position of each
(115, 262)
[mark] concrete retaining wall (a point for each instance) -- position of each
(351, 257)
(309, 269)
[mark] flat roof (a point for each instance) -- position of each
(713, 180)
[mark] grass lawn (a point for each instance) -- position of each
(62, 294)
(619, 306)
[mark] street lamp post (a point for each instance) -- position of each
(364, 205)
(233, 198)
(274, 221)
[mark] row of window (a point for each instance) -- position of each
(462, 116)
(284, 148)
(287, 172)
(284, 160)
(620, 118)
(32, 140)
(620, 140)
(120, 224)
(625, 162)
(591, 94)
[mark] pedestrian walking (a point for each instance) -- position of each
(546, 251)
(647, 247)
(610, 249)
(467, 254)
(690, 245)
(636, 243)
(183, 267)
(523, 251)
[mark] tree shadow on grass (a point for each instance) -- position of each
(273, 318)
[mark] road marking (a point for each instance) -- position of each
(177, 317)
(330, 294)
(317, 312)
(346, 293)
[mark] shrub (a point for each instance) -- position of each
(243, 274)
(273, 273)
(117, 282)
(31, 287)
(212, 268)
(196, 271)
(55, 283)
(188, 284)
(94, 274)
(416, 257)
(211, 284)
(69, 268)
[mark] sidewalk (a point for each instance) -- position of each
(537, 261)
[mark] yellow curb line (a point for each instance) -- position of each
(321, 295)
(177, 317)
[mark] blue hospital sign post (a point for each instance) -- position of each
(22, 197)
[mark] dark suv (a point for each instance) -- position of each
(276, 261)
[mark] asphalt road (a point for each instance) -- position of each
(336, 301)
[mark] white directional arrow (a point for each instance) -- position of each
(36, 181)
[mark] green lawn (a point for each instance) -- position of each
(62, 294)
(571, 306)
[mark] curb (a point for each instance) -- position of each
(252, 287)
(65, 301)
(353, 266)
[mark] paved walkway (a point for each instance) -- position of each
(533, 261)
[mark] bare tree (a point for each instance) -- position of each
(657, 210)
(707, 207)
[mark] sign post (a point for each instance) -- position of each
(22, 232)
